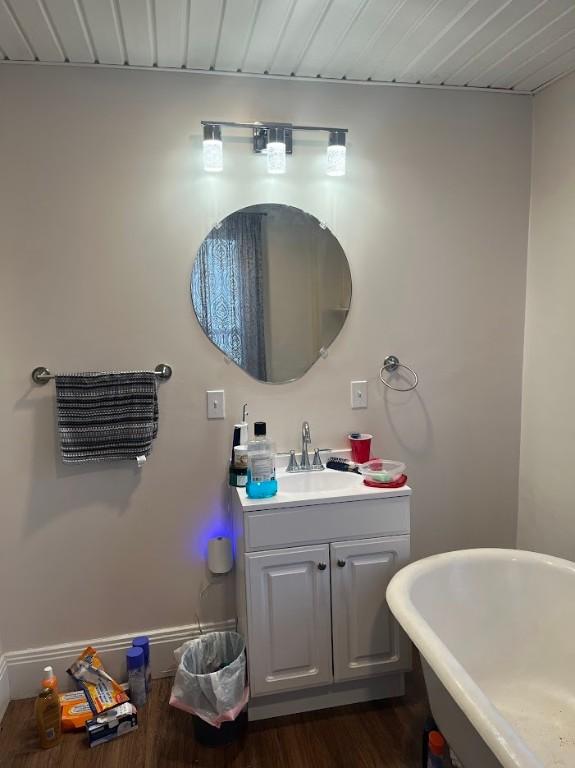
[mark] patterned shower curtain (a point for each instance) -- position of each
(227, 290)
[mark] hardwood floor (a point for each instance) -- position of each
(385, 734)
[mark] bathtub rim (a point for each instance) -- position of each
(504, 741)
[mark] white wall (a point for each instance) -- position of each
(307, 275)
(290, 344)
(547, 499)
(103, 205)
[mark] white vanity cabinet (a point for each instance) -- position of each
(289, 618)
(311, 580)
(366, 639)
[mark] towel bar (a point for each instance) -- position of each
(42, 375)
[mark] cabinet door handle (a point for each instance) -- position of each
(322, 566)
(341, 563)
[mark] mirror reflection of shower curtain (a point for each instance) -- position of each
(227, 290)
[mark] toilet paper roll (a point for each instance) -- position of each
(220, 555)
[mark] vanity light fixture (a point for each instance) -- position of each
(336, 154)
(213, 150)
(274, 140)
(276, 150)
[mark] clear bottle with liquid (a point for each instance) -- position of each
(262, 481)
(48, 718)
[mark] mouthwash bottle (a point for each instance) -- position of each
(262, 481)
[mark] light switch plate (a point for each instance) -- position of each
(359, 394)
(216, 404)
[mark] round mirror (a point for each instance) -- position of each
(271, 288)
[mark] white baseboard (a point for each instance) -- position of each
(4, 686)
(24, 668)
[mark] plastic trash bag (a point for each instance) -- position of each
(210, 680)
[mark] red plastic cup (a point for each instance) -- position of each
(360, 447)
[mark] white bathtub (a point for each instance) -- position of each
(496, 632)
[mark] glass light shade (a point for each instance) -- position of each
(213, 152)
(336, 160)
(276, 157)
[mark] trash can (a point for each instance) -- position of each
(210, 684)
(228, 732)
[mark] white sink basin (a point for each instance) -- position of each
(326, 486)
(310, 482)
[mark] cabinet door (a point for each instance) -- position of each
(289, 619)
(367, 641)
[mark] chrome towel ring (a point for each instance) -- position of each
(391, 365)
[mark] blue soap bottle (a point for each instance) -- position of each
(262, 481)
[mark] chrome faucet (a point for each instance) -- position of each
(305, 465)
(305, 439)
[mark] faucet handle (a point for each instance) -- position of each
(317, 462)
(292, 465)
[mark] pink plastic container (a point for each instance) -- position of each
(360, 447)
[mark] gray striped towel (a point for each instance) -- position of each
(105, 416)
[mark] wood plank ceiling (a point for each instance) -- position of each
(518, 45)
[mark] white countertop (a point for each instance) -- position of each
(354, 492)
